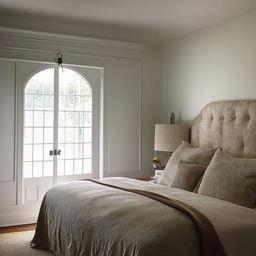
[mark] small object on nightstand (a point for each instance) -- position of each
(156, 162)
(158, 173)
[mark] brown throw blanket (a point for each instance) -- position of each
(210, 244)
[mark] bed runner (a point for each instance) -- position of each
(210, 244)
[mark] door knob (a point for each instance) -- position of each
(57, 152)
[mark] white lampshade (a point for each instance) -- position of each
(169, 136)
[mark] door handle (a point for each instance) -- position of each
(57, 152)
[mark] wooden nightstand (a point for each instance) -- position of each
(144, 179)
(158, 173)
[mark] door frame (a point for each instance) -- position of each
(19, 116)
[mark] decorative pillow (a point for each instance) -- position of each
(187, 154)
(198, 185)
(188, 176)
(230, 179)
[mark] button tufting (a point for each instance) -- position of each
(247, 117)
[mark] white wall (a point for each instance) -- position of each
(216, 63)
(131, 107)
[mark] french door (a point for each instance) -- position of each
(60, 125)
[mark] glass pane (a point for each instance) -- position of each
(68, 167)
(38, 102)
(85, 88)
(49, 102)
(29, 102)
(62, 119)
(78, 166)
(48, 135)
(61, 135)
(60, 168)
(77, 88)
(87, 134)
(78, 135)
(79, 119)
(27, 154)
(41, 82)
(69, 151)
(66, 80)
(87, 166)
(39, 118)
(38, 152)
(61, 102)
(87, 150)
(28, 118)
(70, 119)
(48, 118)
(87, 103)
(78, 103)
(69, 102)
(48, 168)
(78, 151)
(48, 78)
(27, 169)
(88, 119)
(47, 148)
(69, 86)
(69, 135)
(37, 169)
(38, 135)
(28, 135)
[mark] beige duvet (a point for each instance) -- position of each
(83, 218)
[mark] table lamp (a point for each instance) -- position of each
(169, 136)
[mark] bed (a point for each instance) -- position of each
(89, 218)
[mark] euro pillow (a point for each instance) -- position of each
(230, 179)
(185, 153)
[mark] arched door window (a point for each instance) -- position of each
(58, 122)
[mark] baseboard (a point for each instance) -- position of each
(19, 228)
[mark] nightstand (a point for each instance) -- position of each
(144, 179)
(158, 173)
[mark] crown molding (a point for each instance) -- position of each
(33, 40)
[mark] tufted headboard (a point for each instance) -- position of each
(227, 124)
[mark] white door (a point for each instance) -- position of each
(60, 127)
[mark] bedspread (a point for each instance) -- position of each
(84, 218)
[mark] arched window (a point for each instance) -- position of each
(57, 124)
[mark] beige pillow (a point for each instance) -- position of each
(230, 179)
(188, 176)
(187, 154)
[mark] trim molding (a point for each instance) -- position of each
(33, 40)
(18, 215)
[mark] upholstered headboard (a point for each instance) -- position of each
(227, 124)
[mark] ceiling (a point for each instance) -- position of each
(151, 21)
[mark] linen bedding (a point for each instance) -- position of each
(84, 218)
